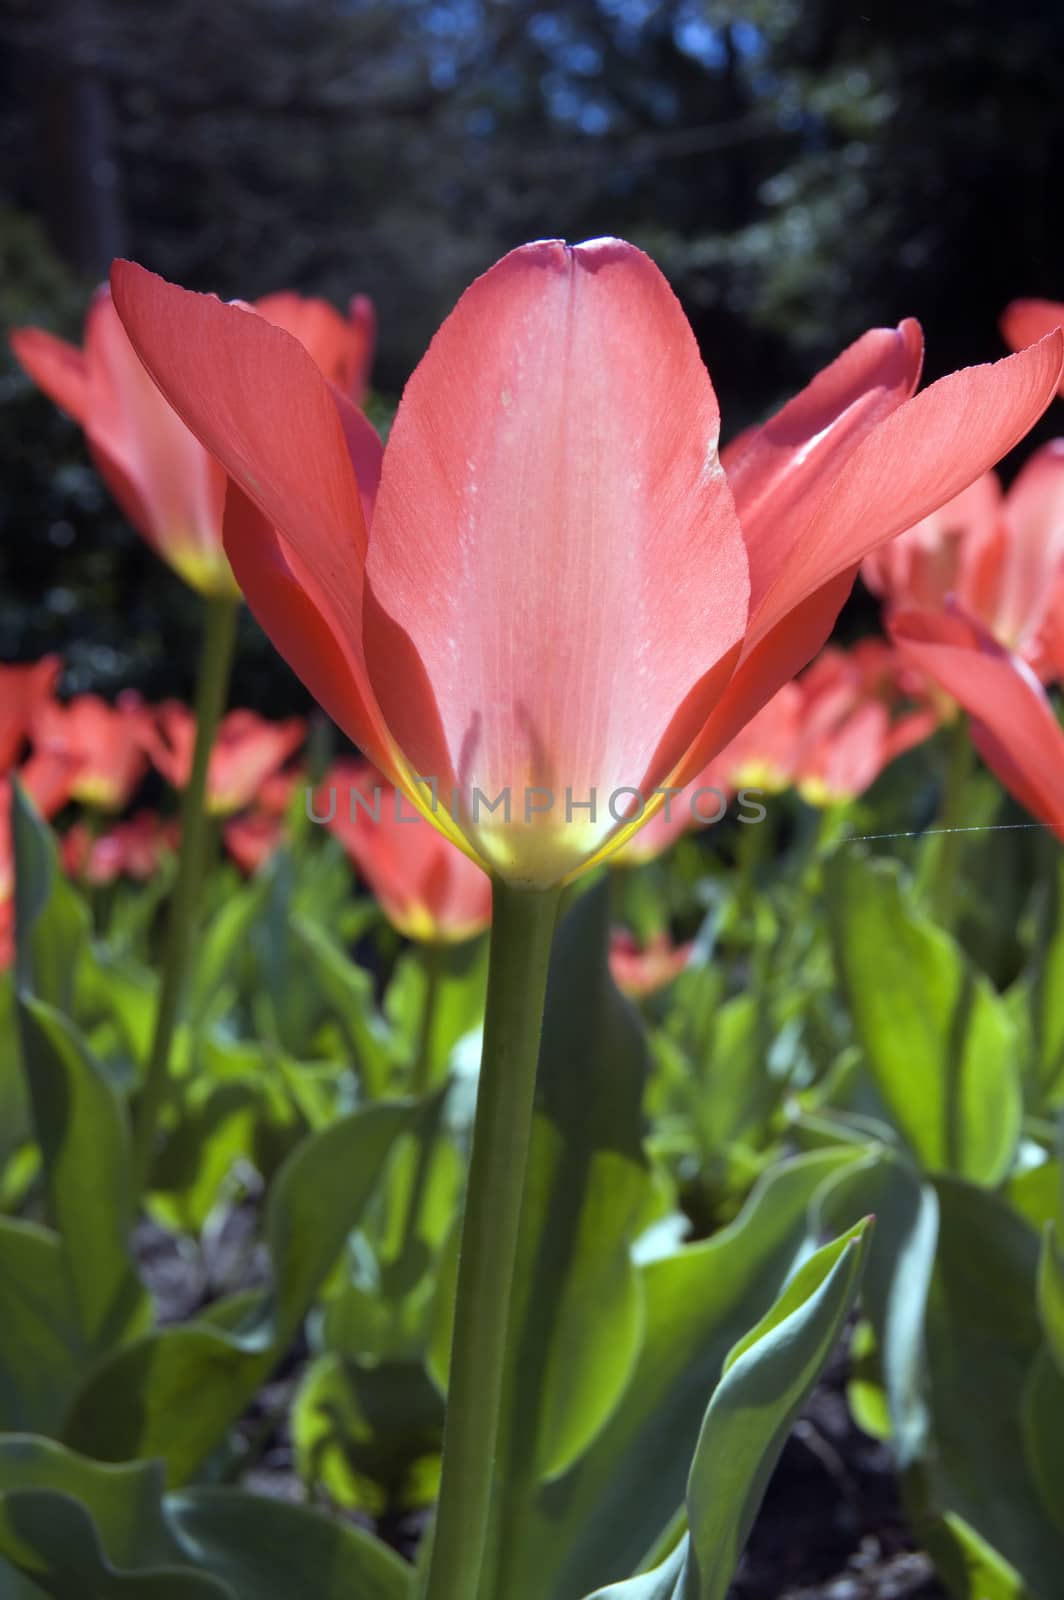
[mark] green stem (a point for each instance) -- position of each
(521, 936)
(432, 966)
(950, 822)
(219, 638)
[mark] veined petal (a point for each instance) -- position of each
(342, 347)
(1013, 726)
(779, 472)
(257, 401)
(1034, 549)
(918, 458)
(556, 543)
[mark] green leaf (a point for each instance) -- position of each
(1040, 991)
(661, 1584)
(766, 1380)
(175, 1393)
(595, 1524)
(937, 1040)
(42, 1353)
(270, 1550)
(971, 1568)
(84, 1139)
(51, 920)
(83, 1529)
(348, 991)
(983, 1337)
(120, 1501)
(1051, 1295)
(1043, 1427)
(896, 1282)
(368, 1435)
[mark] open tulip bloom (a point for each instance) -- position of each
(546, 603)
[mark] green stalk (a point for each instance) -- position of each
(960, 760)
(521, 936)
(216, 660)
(432, 959)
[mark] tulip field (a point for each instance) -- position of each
(577, 1113)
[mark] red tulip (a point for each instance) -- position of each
(855, 721)
(167, 485)
(133, 849)
(426, 887)
(248, 751)
(23, 691)
(252, 838)
(1026, 321)
(1001, 558)
(560, 590)
(104, 745)
(1012, 722)
(641, 970)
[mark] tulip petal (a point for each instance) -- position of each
(918, 458)
(275, 424)
(778, 472)
(1013, 725)
(342, 348)
(553, 533)
(304, 626)
(56, 367)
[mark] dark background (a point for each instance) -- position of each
(800, 171)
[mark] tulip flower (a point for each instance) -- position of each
(552, 524)
(247, 752)
(547, 589)
(24, 690)
(427, 888)
(255, 836)
(854, 722)
(169, 487)
(641, 970)
(1026, 321)
(103, 744)
(1001, 558)
(133, 849)
(1012, 722)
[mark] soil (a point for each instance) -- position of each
(830, 1526)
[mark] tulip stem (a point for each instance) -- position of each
(432, 968)
(521, 935)
(216, 660)
(950, 822)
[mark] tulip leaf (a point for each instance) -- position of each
(1051, 1295)
(175, 1393)
(43, 1357)
(84, 1141)
(51, 920)
(348, 991)
(270, 1550)
(79, 1527)
(595, 1524)
(937, 1040)
(766, 1380)
(767, 1377)
(983, 1338)
(896, 1281)
(1040, 991)
(971, 1568)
